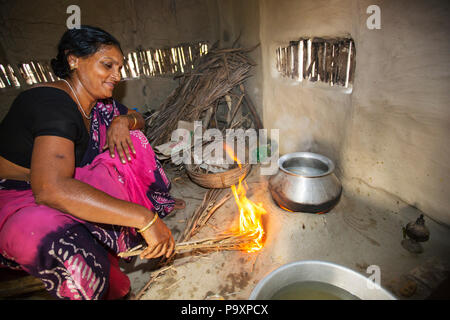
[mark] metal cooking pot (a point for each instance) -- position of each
(305, 182)
(320, 271)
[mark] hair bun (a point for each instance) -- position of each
(60, 66)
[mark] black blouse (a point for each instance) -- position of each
(37, 112)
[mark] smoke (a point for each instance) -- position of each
(296, 134)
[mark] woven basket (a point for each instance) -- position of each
(218, 180)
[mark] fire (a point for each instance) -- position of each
(250, 221)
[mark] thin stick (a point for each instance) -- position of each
(236, 108)
(152, 279)
(194, 216)
(203, 221)
(135, 248)
(192, 225)
(175, 283)
(251, 107)
(254, 262)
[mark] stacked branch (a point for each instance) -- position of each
(217, 77)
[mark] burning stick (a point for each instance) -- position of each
(229, 241)
(248, 238)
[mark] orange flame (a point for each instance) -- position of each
(284, 208)
(250, 222)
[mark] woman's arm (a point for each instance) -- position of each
(52, 182)
(9, 170)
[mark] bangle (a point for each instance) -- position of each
(135, 122)
(149, 225)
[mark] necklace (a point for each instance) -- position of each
(78, 101)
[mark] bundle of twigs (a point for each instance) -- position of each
(225, 241)
(214, 76)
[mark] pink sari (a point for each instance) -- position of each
(76, 259)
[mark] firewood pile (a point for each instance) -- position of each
(213, 93)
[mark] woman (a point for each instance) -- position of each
(66, 207)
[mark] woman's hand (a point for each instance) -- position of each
(118, 136)
(159, 240)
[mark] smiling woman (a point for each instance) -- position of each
(66, 207)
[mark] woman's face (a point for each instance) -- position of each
(100, 72)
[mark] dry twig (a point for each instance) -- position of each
(153, 277)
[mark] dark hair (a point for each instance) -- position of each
(81, 42)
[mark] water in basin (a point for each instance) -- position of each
(312, 290)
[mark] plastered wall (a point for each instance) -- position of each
(392, 132)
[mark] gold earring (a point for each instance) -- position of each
(72, 67)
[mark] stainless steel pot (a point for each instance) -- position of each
(319, 271)
(305, 182)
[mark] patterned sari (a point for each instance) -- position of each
(77, 259)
